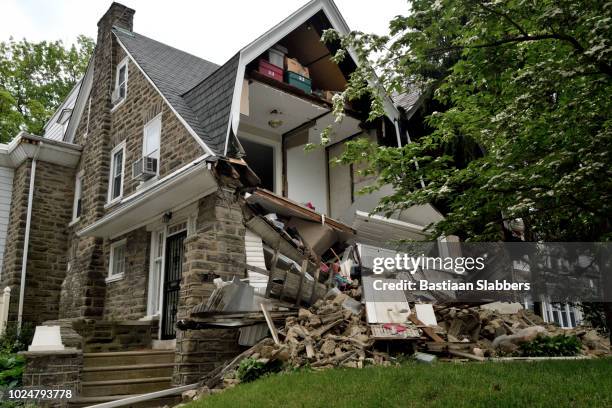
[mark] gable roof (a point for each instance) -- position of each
(173, 72)
(204, 96)
(211, 101)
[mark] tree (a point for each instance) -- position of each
(529, 83)
(34, 80)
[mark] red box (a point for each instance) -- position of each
(270, 70)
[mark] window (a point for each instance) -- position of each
(151, 140)
(116, 262)
(155, 275)
(115, 189)
(77, 205)
(121, 77)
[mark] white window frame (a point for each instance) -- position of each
(123, 63)
(78, 194)
(112, 277)
(154, 297)
(110, 199)
(157, 118)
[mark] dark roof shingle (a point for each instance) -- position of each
(182, 79)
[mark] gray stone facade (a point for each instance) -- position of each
(215, 250)
(46, 264)
(84, 292)
(67, 272)
(53, 370)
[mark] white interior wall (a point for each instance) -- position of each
(307, 174)
(339, 184)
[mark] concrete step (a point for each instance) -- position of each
(124, 387)
(126, 358)
(123, 372)
(155, 403)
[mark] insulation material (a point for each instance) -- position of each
(425, 313)
(253, 246)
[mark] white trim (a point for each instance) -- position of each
(110, 200)
(192, 132)
(121, 64)
(157, 118)
(112, 277)
(26, 241)
(277, 147)
(78, 188)
(140, 196)
(153, 259)
(390, 221)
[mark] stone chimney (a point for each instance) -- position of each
(116, 15)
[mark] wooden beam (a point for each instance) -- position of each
(426, 329)
(270, 323)
(298, 297)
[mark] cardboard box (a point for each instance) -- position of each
(293, 65)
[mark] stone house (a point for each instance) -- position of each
(118, 218)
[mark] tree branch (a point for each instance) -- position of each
(603, 67)
(506, 17)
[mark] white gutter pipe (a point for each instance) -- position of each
(26, 240)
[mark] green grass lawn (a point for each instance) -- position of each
(577, 383)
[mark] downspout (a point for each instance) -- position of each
(26, 240)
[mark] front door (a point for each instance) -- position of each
(172, 283)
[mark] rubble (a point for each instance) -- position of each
(495, 334)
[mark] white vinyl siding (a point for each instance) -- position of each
(55, 130)
(6, 189)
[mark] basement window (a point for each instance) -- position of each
(116, 262)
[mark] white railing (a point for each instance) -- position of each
(4, 308)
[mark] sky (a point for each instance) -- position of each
(213, 30)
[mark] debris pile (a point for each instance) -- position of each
(332, 333)
(490, 333)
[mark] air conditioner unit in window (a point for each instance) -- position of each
(144, 168)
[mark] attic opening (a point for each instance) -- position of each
(286, 101)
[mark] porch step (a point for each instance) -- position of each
(123, 372)
(128, 358)
(155, 403)
(124, 387)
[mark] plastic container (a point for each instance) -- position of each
(270, 70)
(299, 81)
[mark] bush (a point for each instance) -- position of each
(11, 369)
(553, 346)
(13, 340)
(251, 369)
